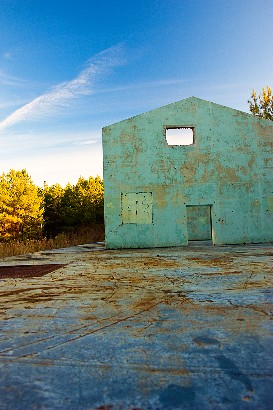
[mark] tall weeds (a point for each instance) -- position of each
(93, 233)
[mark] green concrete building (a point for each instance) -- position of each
(191, 170)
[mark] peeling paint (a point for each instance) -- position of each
(227, 167)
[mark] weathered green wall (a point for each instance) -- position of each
(229, 167)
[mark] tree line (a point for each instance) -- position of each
(29, 212)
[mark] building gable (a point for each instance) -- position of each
(228, 161)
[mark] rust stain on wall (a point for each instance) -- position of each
(231, 149)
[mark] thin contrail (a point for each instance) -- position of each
(60, 95)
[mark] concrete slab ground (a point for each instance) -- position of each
(176, 328)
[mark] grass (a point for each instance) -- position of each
(88, 234)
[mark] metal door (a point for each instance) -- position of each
(199, 222)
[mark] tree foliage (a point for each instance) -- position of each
(262, 105)
(27, 211)
(74, 206)
(52, 209)
(21, 206)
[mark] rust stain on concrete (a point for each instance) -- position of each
(140, 321)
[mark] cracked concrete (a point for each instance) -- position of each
(176, 328)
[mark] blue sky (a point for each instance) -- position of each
(68, 68)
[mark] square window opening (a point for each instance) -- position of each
(180, 135)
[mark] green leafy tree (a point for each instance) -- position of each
(74, 206)
(262, 105)
(21, 206)
(52, 209)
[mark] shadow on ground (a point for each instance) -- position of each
(177, 328)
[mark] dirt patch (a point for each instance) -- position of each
(212, 261)
(27, 271)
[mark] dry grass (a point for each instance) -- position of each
(88, 234)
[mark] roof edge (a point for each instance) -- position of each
(184, 100)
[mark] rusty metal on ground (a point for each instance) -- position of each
(149, 329)
(27, 271)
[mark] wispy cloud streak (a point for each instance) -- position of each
(148, 84)
(62, 94)
(9, 80)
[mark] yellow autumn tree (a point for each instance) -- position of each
(262, 105)
(21, 206)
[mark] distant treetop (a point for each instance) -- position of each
(262, 106)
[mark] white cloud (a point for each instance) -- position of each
(88, 142)
(147, 84)
(62, 94)
(32, 143)
(10, 80)
(11, 103)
